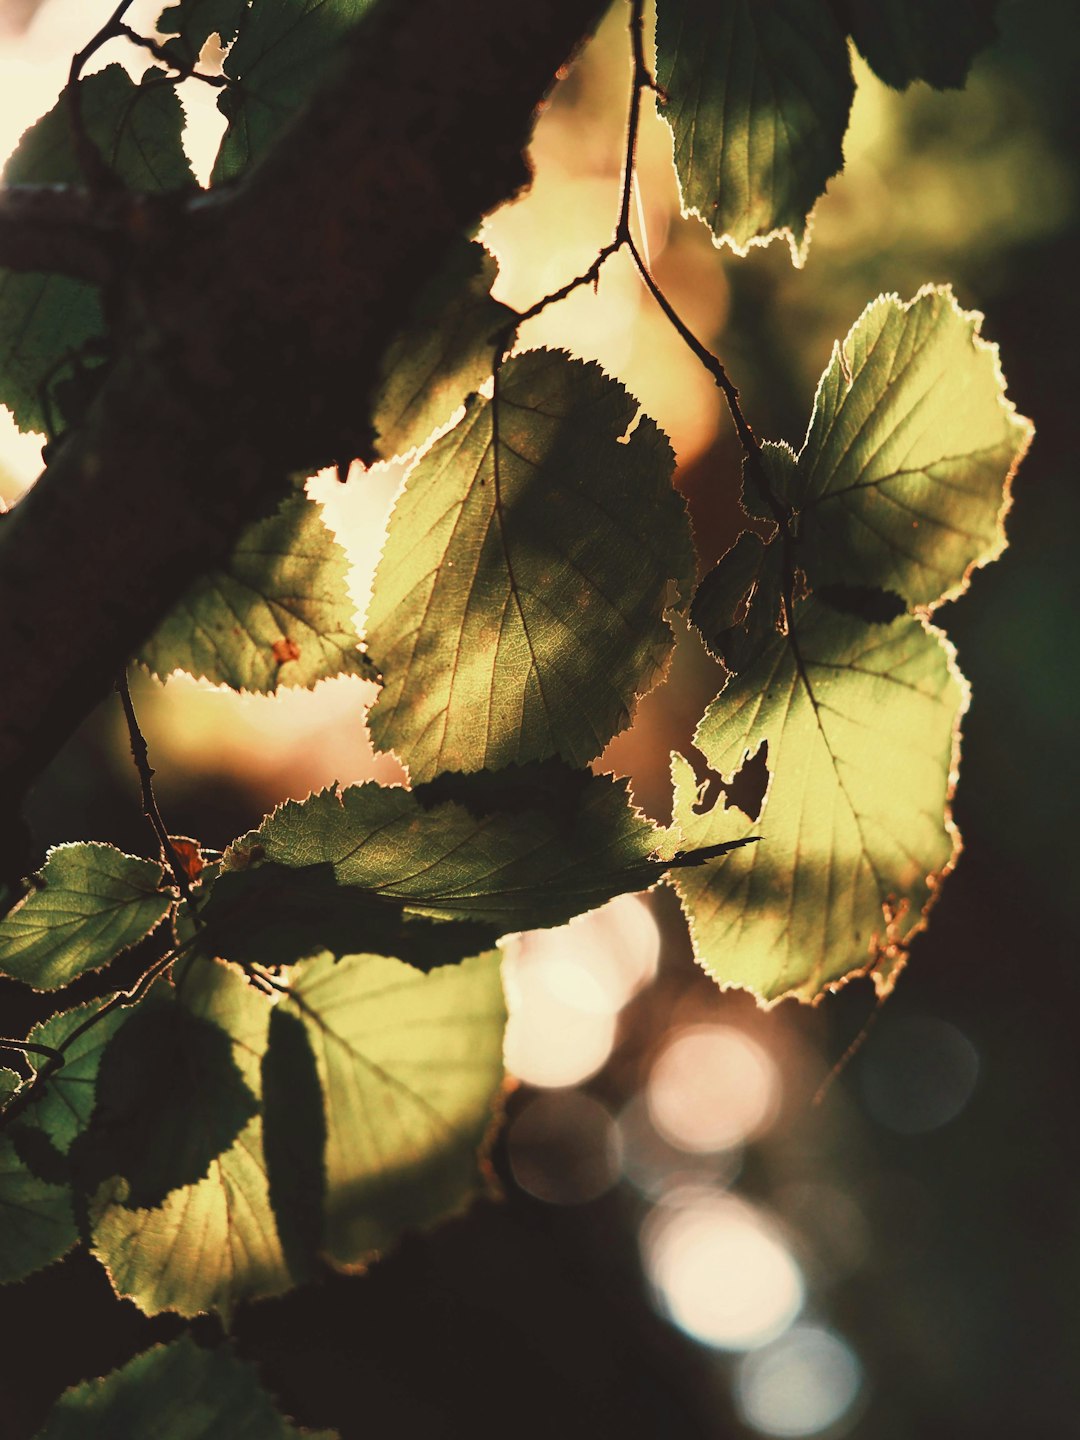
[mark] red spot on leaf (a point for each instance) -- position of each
(286, 649)
(189, 855)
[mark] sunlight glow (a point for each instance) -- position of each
(713, 1087)
(560, 1031)
(564, 1148)
(721, 1270)
(807, 1382)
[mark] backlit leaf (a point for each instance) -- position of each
(173, 1392)
(188, 24)
(907, 40)
(903, 481)
(213, 1244)
(279, 613)
(37, 1223)
(93, 902)
(62, 1106)
(854, 829)
(518, 615)
(281, 55)
(758, 98)
(361, 870)
(411, 1067)
(48, 323)
(444, 354)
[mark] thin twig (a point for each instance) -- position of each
(141, 756)
(97, 172)
(159, 52)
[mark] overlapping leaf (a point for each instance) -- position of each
(212, 1244)
(443, 355)
(169, 1100)
(48, 322)
(517, 610)
(188, 24)
(173, 1392)
(757, 96)
(907, 40)
(294, 1140)
(37, 1222)
(61, 1108)
(903, 480)
(375, 869)
(282, 53)
(861, 723)
(278, 613)
(92, 902)
(411, 1067)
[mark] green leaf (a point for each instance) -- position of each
(281, 55)
(37, 1223)
(278, 614)
(903, 481)
(93, 902)
(854, 829)
(190, 23)
(444, 354)
(213, 1244)
(411, 1067)
(63, 1105)
(906, 40)
(518, 615)
(738, 605)
(294, 1140)
(173, 1392)
(170, 1099)
(48, 323)
(758, 97)
(359, 871)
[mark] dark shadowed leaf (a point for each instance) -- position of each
(444, 354)
(213, 1244)
(173, 1392)
(907, 40)
(294, 1140)
(279, 613)
(48, 323)
(188, 24)
(519, 615)
(378, 859)
(37, 1223)
(737, 607)
(411, 1067)
(169, 1101)
(758, 98)
(92, 902)
(281, 55)
(854, 828)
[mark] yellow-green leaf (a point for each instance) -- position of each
(411, 1067)
(518, 608)
(903, 482)
(861, 724)
(90, 903)
(279, 613)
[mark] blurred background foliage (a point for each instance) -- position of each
(697, 1239)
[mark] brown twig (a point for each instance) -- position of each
(141, 755)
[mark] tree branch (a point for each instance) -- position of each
(62, 230)
(249, 326)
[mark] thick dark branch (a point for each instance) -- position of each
(249, 331)
(61, 230)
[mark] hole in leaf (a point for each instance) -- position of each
(875, 606)
(749, 783)
(710, 784)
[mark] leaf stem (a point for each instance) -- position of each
(141, 755)
(97, 172)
